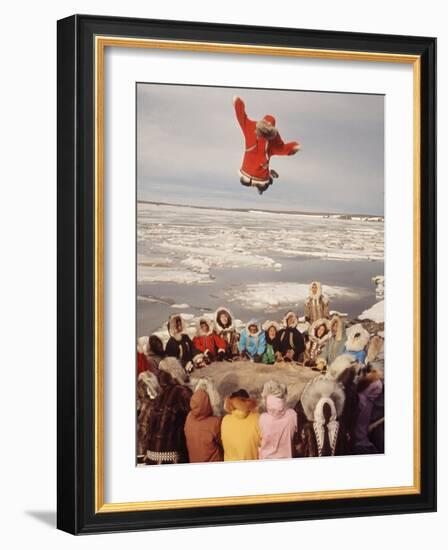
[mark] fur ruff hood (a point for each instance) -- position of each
(357, 338)
(240, 406)
(340, 331)
(314, 327)
(273, 388)
(286, 317)
(199, 331)
(218, 326)
(253, 322)
(341, 363)
(172, 366)
(149, 381)
(268, 324)
(322, 387)
(319, 294)
(171, 325)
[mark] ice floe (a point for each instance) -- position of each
(268, 296)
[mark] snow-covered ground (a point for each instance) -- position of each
(183, 244)
(375, 313)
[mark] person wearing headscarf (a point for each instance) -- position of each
(252, 343)
(147, 390)
(240, 432)
(317, 305)
(336, 343)
(203, 430)
(262, 141)
(278, 425)
(272, 353)
(226, 332)
(290, 340)
(166, 437)
(179, 344)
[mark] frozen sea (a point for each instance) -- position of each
(258, 264)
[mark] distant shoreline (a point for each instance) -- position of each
(337, 215)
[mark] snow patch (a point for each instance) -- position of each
(375, 313)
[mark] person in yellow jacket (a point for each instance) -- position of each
(240, 432)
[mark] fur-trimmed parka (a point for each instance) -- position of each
(226, 332)
(317, 305)
(207, 341)
(179, 344)
(291, 343)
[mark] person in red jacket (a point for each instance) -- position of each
(207, 341)
(262, 141)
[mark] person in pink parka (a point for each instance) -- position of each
(278, 425)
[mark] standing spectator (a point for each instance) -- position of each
(166, 438)
(203, 430)
(278, 424)
(317, 305)
(240, 432)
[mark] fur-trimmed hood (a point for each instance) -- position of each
(240, 406)
(340, 331)
(149, 384)
(322, 387)
(319, 294)
(172, 366)
(171, 325)
(341, 363)
(218, 325)
(274, 388)
(253, 322)
(357, 338)
(286, 317)
(209, 322)
(314, 328)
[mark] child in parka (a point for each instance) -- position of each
(252, 342)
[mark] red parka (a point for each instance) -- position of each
(258, 149)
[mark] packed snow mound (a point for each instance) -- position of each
(268, 296)
(231, 376)
(375, 313)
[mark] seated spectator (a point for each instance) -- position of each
(357, 340)
(203, 430)
(252, 342)
(278, 425)
(317, 305)
(226, 332)
(272, 353)
(290, 339)
(180, 345)
(336, 343)
(240, 432)
(207, 341)
(319, 333)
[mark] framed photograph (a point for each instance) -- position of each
(246, 274)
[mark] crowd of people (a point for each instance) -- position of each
(340, 410)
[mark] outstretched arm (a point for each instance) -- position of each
(240, 111)
(278, 147)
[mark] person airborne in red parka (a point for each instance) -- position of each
(262, 141)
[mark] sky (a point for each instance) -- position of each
(190, 147)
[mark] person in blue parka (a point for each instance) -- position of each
(252, 342)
